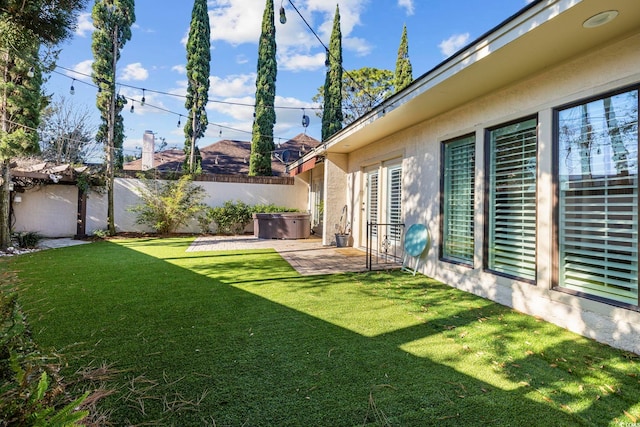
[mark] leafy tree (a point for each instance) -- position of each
(198, 68)
(332, 114)
(24, 27)
(404, 72)
(361, 90)
(113, 20)
(265, 116)
(67, 133)
(169, 205)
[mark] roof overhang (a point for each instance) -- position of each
(545, 33)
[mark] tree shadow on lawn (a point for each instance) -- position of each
(200, 342)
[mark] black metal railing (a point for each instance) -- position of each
(384, 245)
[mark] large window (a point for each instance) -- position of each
(458, 182)
(510, 247)
(597, 168)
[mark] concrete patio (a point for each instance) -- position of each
(307, 256)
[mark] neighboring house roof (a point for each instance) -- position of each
(543, 34)
(231, 157)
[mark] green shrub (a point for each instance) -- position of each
(205, 219)
(27, 239)
(30, 392)
(271, 208)
(232, 218)
(169, 205)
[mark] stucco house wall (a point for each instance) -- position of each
(609, 68)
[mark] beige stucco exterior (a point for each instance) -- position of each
(613, 65)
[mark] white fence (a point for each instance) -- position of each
(52, 210)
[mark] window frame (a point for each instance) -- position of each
(555, 251)
(487, 199)
(443, 198)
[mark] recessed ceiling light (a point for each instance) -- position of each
(600, 19)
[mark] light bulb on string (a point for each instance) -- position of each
(132, 109)
(179, 118)
(31, 72)
(72, 90)
(143, 99)
(305, 119)
(283, 17)
(327, 62)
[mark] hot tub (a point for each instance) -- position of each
(282, 225)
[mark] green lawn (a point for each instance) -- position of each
(240, 339)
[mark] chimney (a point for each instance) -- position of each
(148, 146)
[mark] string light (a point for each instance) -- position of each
(305, 119)
(143, 99)
(132, 109)
(283, 17)
(31, 72)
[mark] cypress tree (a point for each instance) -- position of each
(332, 113)
(112, 21)
(198, 69)
(264, 115)
(404, 72)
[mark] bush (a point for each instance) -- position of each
(271, 208)
(205, 219)
(167, 206)
(27, 239)
(231, 218)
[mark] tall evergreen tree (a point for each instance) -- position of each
(264, 115)
(332, 114)
(24, 26)
(198, 68)
(112, 20)
(404, 72)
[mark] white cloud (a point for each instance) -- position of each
(239, 21)
(232, 85)
(235, 21)
(408, 5)
(84, 25)
(301, 62)
(180, 69)
(239, 108)
(358, 45)
(82, 70)
(451, 45)
(134, 71)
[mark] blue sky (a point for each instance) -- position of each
(155, 57)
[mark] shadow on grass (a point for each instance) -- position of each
(243, 340)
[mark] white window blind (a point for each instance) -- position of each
(512, 200)
(598, 198)
(372, 200)
(394, 207)
(458, 207)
